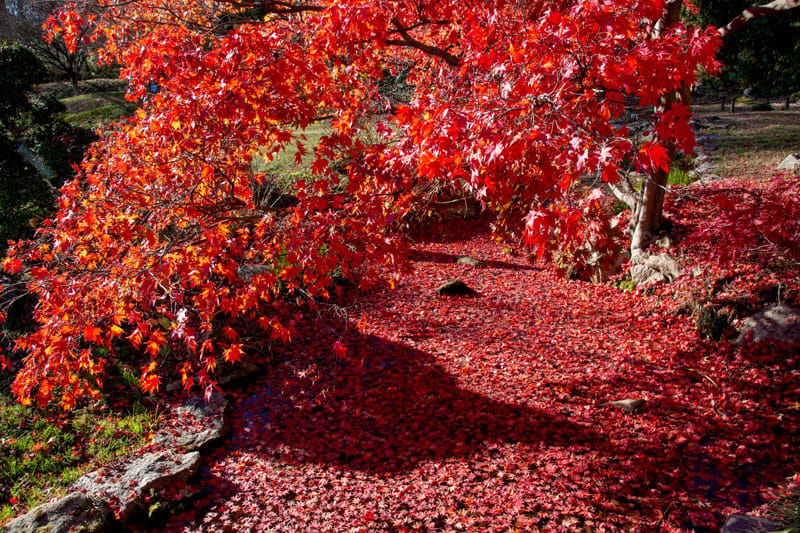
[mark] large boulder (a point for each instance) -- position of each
(655, 269)
(665, 264)
(791, 164)
(778, 322)
(74, 512)
(644, 275)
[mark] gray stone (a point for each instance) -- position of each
(199, 424)
(663, 242)
(708, 178)
(454, 287)
(644, 275)
(74, 512)
(238, 372)
(665, 264)
(791, 164)
(124, 485)
(742, 523)
(778, 322)
(703, 168)
(707, 139)
(246, 272)
(629, 405)
(471, 261)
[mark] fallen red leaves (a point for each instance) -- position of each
(484, 413)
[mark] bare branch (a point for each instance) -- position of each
(757, 12)
(408, 41)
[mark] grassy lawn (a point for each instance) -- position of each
(752, 142)
(94, 110)
(43, 452)
(284, 163)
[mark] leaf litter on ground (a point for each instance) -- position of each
(492, 413)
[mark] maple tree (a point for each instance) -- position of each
(23, 21)
(161, 243)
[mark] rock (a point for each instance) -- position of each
(644, 275)
(123, 486)
(791, 164)
(471, 261)
(665, 264)
(238, 372)
(629, 405)
(664, 242)
(246, 272)
(74, 512)
(707, 139)
(778, 322)
(708, 178)
(703, 168)
(199, 425)
(742, 523)
(454, 287)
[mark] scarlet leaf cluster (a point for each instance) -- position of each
(513, 102)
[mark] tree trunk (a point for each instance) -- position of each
(648, 213)
(788, 102)
(733, 104)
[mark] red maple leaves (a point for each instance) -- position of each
(512, 104)
(488, 413)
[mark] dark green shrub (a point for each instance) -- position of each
(20, 70)
(37, 149)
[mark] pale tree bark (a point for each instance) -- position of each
(757, 12)
(649, 201)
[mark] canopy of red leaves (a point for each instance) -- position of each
(513, 103)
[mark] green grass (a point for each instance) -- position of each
(93, 110)
(679, 177)
(284, 164)
(42, 453)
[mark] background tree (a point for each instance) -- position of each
(24, 25)
(760, 50)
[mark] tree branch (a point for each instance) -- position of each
(275, 6)
(408, 41)
(757, 12)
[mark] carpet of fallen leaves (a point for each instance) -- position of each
(488, 413)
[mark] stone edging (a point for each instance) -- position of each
(114, 492)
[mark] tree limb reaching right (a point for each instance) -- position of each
(757, 12)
